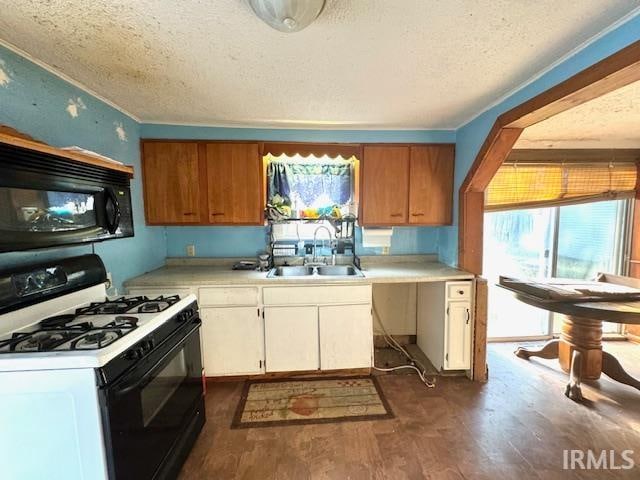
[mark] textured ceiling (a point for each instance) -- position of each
(610, 121)
(363, 63)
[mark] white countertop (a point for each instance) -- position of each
(391, 269)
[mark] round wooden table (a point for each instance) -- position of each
(579, 348)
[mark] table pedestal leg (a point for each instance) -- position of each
(585, 336)
(579, 352)
(612, 368)
(573, 390)
(548, 351)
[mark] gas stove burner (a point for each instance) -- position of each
(62, 322)
(41, 341)
(158, 304)
(123, 321)
(112, 306)
(96, 339)
(57, 321)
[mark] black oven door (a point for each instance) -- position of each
(149, 409)
(39, 217)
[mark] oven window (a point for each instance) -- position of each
(161, 388)
(26, 210)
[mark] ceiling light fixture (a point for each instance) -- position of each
(287, 15)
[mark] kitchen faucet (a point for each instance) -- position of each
(315, 247)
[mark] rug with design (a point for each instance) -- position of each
(285, 402)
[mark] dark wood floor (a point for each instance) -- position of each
(514, 427)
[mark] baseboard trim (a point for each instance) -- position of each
(302, 374)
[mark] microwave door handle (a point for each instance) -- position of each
(114, 222)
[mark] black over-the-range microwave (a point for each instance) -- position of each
(49, 201)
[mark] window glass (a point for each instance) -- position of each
(587, 239)
(516, 243)
(310, 186)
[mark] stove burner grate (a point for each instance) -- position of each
(158, 304)
(96, 339)
(112, 306)
(42, 340)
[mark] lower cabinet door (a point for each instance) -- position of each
(291, 338)
(232, 341)
(458, 336)
(346, 336)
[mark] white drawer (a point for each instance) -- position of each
(317, 295)
(459, 290)
(211, 296)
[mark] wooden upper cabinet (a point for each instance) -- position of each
(431, 184)
(234, 183)
(171, 183)
(385, 185)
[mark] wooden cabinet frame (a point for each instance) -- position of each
(408, 222)
(203, 182)
(264, 148)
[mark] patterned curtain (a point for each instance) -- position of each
(326, 183)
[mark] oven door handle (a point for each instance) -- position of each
(146, 378)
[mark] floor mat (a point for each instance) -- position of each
(286, 402)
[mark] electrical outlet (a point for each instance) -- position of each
(191, 250)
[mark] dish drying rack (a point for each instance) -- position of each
(344, 239)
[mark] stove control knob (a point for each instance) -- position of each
(135, 354)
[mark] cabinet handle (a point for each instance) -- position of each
(468, 316)
(213, 214)
(417, 214)
(186, 214)
(396, 214)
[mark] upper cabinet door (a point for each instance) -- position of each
(234, 178)
(431, 184)
(385, 185)
(171, 185)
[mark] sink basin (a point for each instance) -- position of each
(291, 272)
(324, 270)
(340, 270)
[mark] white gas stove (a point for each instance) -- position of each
(83, 329)
(98, 388)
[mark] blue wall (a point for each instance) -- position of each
(470, 137)
(247, 241)
(35, 102)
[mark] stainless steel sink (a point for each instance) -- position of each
(325, 270)
(340, 270)
(290, 272)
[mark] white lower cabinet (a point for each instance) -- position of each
(291, 338)
(458, 336)
(232, 340)
(346, 336)
(447, 344)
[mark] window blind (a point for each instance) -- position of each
(530, 185)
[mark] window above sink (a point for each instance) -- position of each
(311, 186)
